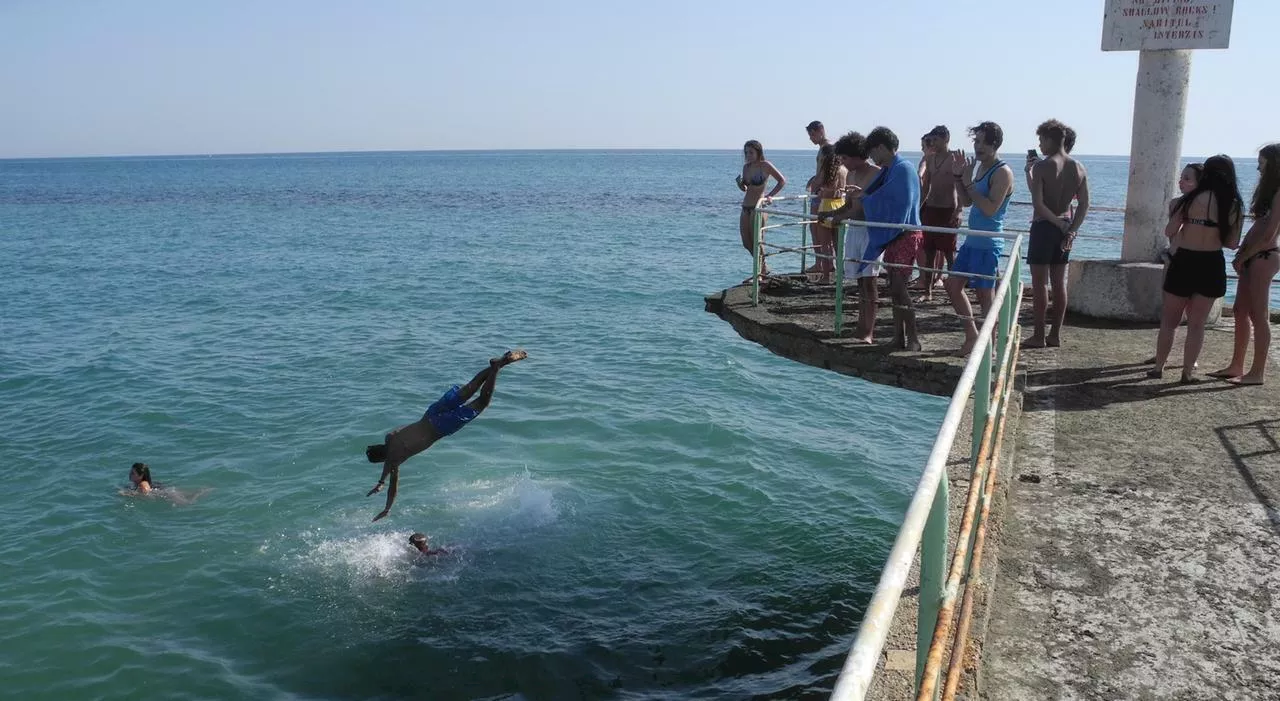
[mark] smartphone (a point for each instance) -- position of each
(1032, 153)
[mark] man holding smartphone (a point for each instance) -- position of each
(1054, 182)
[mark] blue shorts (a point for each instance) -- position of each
(979, 261)
(449, 414)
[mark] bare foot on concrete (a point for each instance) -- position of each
(1226, 373)
(1052, 341)
(1246, 380)
(1035, 341)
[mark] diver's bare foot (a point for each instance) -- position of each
(1245, 380)
(509, 357)
(1036, 341)
(863, 338)
(967, 347)
(914, 345)
(1053, 341)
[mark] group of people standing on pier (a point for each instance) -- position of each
(862, 178)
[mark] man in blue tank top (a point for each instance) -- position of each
(987, 186)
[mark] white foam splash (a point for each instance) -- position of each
(489, 513)
(518, 500)
(364, 557)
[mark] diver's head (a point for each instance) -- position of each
(419, 541)
(376, 453)
(139, 473)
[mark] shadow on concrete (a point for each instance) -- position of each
(1026, 317)
(1265, 431)
(1083, 389)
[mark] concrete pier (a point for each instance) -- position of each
(795, 319)
(1134, 547)
(1140, 551)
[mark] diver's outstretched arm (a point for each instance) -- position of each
(391, 493)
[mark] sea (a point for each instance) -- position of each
(651, 508)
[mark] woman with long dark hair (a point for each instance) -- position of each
(1257, 262)
(756, 172)
(830, 187)
(142, 485)
(1203, 222)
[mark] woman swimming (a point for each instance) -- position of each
(144, 486)
(140, 478)
(756, 172)
(1257, 262)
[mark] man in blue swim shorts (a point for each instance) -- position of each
(445, 417)
(987, 185)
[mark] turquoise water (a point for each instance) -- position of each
(651, 508)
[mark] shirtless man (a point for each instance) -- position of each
(443, 418)
(818, 137)
(938, 185)
(1054, 181)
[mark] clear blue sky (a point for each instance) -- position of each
(83, 77)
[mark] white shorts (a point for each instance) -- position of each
(856, 242)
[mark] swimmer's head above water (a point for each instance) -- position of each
(419, 541)
(140, 477)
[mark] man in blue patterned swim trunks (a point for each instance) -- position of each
(445, 417)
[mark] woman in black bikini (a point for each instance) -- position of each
(756, 172)
(1257, 262)
(1203, 221)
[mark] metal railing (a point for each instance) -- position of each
(839, 258)
(941, 630)
(924, 527)
(805, 221)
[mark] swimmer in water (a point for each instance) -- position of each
(144, 486)
(419, 542)
(140, 478)
(445, 417)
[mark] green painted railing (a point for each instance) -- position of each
(925, 526)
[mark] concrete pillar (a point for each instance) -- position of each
(1131, 288)
(1159, 112)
